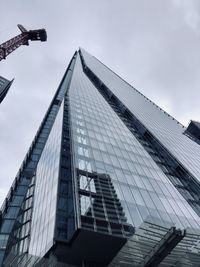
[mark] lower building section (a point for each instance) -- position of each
(160, 244)
(153, 244)
(89, 247)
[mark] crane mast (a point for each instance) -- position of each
(21, 39)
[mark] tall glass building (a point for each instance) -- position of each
(4, 87)
(110, 180)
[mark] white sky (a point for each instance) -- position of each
(153, 44)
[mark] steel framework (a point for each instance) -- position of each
(21, 39)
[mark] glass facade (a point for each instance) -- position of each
(4, 87)
(45, 196)
(28, 168)
(108, 167)
(164, 127)
(103, 144)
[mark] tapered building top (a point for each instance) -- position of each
(109, 180)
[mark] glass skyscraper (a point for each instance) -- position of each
(4, 87)
(110, 180)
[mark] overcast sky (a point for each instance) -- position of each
(153, 44)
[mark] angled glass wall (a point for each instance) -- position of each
(28, 168)
(164, 127)
(45, 195)
(104, 145)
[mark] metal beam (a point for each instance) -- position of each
(163, 248)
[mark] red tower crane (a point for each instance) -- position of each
(21, 39)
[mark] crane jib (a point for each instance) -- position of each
(22, 39)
